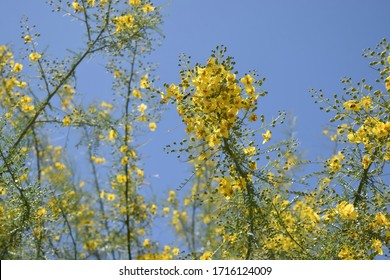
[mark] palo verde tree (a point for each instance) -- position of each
(245, 198)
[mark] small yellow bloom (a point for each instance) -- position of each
(117, 74)
(27, 38)
(144, 83)
(381, 219)
(266, 136)
(76, 7)
(345, 254)
(148, 8)
(352, 105)
(247, 80)
(125, 160)
(366, 161)
(135, 3)
(388, 83)
(146, 243)
(152, 126)
(346, 210)
(142, 108)
(34, 56)
(175, 251)
(377, 245)
(110, 196)
(137, 93)
(66, 121)
(18, 67)
(206, 255)
(112, 135)
(41, 212)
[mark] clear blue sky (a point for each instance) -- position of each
(296, 45)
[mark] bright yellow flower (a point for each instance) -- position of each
(142, 108)
(247, 80)
(76, 7)
(146, 243)
(175, 251)
(91, 3)
(112, 135)
(377, 245)
(27, 38)
(366, 102)
(381, 219)
(388, 83)
(110, 196)
(137, 93)
(68, 89)
(152, 126)
(366, 161)
(266, 136)
(352, 105)
(66, 121)
(345, 254)
(18, 67)
(148, 8)
(206, 255)
(144, 83)
(125, 160)
(41, 212)
(135, 3)
(34, 56)
(346, 210)
(335, 162)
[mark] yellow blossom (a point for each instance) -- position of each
(18, 67)
(346, 210)
(110, 196)
(345, 254)
(112, 135)
(41, 212)
(146, 243)
(144, 83)
(175, 251)
(387, 81)
(121, 178)
(142, 108)
(34, 56)
(366, 161)
(152, 126)
(148, 8)
(27, 38)
(125, 160)
(266, 136)
(206, 255)
(381, 219)
(135, 3)
(335, 162)
(366, 102)
(66, 121)
(76, 7)
(123, 23)
(247, 80)
(137, 93)
(352, 105)
(377, 245)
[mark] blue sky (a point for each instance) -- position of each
(296, 45)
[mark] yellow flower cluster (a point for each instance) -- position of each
(346, 211)
(334, 163)
(123, 23)
(215, 98)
